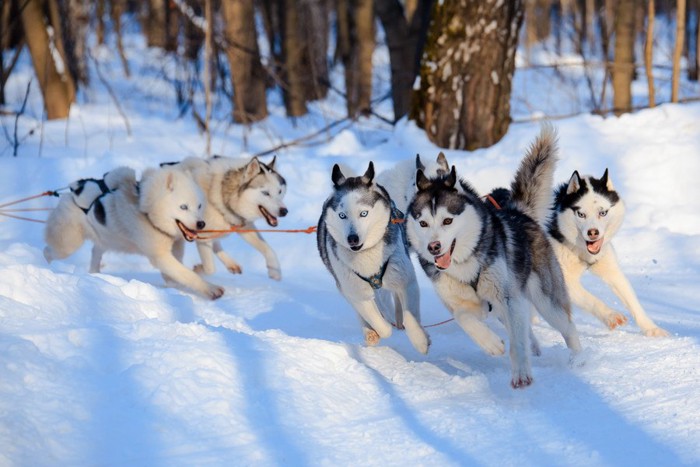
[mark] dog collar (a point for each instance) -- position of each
(375, 281)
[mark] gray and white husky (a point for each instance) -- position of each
(153, 217)
(587, 213)
(367, 254)
(500, 257)
(239, 192)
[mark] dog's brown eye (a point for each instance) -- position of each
(423, 224)
(447, 221)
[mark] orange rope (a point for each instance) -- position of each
(21, 218)
(46, 193)
(26, 209)
(493, 201)
(428, 325)
(237, 229)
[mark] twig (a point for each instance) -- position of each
(21, 111)
(111, 94)
(303, 138)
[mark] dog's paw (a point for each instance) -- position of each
(614, 320)
(274, 273)
(491, 344)
(215, 292)
(200, 269)
(234, 269)
(521, 380)
(371, 337)
(656, 332)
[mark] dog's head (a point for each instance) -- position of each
(358, 211)
(173, 202)
(590, 211)
(260, 192)
(443, 223)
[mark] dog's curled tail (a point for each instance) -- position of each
(531, 189)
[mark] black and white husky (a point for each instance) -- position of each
(477, 254)
(367, 254)
(587, 213)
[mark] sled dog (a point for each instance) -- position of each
(153, 218)
(367, 255)
(238, 191)
(586, 215)
(65, 229)
(499, 257)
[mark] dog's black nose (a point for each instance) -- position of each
(434, 247)
(283, 212)
(593, 234)
(353, 240)
(200, 225)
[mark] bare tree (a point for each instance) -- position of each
(623, 65)
(11, 37)
(355, 47)
(466, 73)
(648, 51)
(56, 83)
(678, 50)
(293, 60)
(248, 76)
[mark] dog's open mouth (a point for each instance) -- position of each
(189, 235)
(271, 220)
(356, 247)
(594, 246)
(444, 260)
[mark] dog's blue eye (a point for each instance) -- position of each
(184, 207)
(603, 213)
(342, 215)
(266, 193)
(581, 214)
(363, 214)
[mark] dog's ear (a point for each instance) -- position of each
(605, 180)
(337, 176)
(442, 162)
(422, 182)
(451, 179)
(574, 183)
(271, 164)
(170, 182)
(419, 163)
(369, 175)
(252, 168)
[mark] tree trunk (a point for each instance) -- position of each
(403, 42)
(155, 23)
(623, 66)
(75, 21)
(116, 10)
(293, 59)
(313, 18)
(56, 84)
(247, 73)
(678, 50)
(466, 73)
(355, 47)
(648, 52)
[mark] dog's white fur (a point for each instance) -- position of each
(595, 214)
(354, 214)
(221, 179)
(143, 219)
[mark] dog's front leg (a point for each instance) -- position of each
(257, 242)
(608, 269)
(96, 258)
(408, 299)
(516, 317)
(232, 266)
(175, 270)
(206, 256)
(369, 312)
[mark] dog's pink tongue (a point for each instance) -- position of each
(594, 247)
(443, 261)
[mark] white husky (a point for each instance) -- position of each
(367, 255)
(587, 214)
(238, 191)
(152, 218)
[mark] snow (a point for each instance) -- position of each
(116, 369)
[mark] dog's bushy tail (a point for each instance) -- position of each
(531, 190)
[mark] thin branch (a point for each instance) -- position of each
(112, 94)
(21, 111)
(304, 138)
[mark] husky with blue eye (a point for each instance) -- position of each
(587, 213)
(366, 251)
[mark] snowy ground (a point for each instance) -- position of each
(116, 369)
